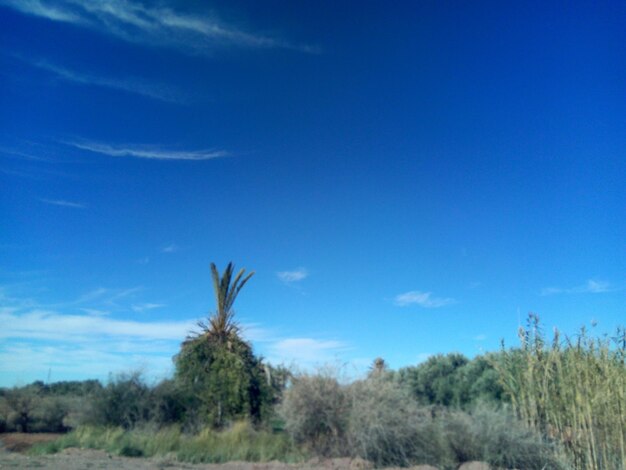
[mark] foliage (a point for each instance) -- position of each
(221, 325)
(387, 427)
(496, 436)
(29, 409)
(217, 368)
(453, 380)
(124, 402)
(315, 412)
(21, 405)
(574, 391)
(377, 419)
(226, 381)
(238, 442)
(168, 404)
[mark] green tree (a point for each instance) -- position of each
(453, 380)
(216, 366)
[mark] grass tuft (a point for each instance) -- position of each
(239, 442)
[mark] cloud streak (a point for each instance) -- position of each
(148, 152)
(152, 25)
(51, 325)
(590, 287)
(293, 276)
(64, 203)
(305, 351)
(423, 299)
(137, 86)
(140, 308)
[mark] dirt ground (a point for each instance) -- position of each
(14, 444)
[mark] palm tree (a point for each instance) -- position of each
(215, 364)
(221, 325)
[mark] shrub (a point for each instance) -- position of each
(387, 427)
(315, 412)
(21, 405)
(168, 403)
(123, 402)
(223, 378)
(51, 414)
(498, 437)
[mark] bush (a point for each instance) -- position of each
(315, 412)
(498, 437)
(123, 402)
(168, 403)
(21, 405)
(223, 378)
(387, 427)
(51, 414)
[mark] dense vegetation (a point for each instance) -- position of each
(539, 406)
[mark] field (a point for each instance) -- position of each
(14, 446)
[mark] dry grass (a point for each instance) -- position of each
(21, 442)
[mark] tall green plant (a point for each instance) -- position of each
(573, 391)
(216, 366)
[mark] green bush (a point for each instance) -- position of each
(123, 402)
(51, 414)
(168, 403)
(223, 378)
(21, 404)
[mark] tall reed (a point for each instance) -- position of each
(571, 390)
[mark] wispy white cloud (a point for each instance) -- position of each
(305, 352)
(91, 295)
(137, 86)
(24, 362)
(64, 203)
(43, 9)
(101, 298)
(171, 248)
(95, 312)
(21, 155)
(480, 337)
(590, 287)
(150, 24)
(293, 276)
(52, 325)
(145, 307)
(423, 299)
(149, 152)
(78, 339)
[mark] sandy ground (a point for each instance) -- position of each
(13, 445)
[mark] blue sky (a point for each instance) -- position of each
(404, 179)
